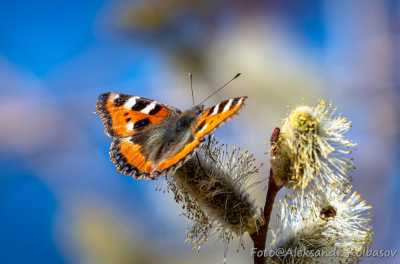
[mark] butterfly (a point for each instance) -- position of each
(150, 138)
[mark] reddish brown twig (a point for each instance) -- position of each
(259, 238)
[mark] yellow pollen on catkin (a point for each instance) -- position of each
(312, 148)
(303, 122)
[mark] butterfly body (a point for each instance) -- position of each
(151, 138)
(169, 137)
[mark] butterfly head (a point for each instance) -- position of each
(197, 109)
(188, 118)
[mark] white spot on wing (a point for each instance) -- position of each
(130, 125)
(149, 107)
(131, 102)
(203, 128)
(228, 105)
(215, 111)
(116, 96)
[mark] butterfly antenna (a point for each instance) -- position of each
(191, 86)
(219, 89)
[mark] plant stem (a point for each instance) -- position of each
(260, 236)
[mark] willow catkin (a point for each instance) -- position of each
(312, 148)
(211, 187)
(322, 227)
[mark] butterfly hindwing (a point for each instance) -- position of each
(130, 160)
(124, 115)
(185, 152)
(214, 116)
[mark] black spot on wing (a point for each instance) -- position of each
(141, 123)
(222, 105)
(211, 110)
(155, 110)
(140, 105)
(200, 126)
(121, 100)
(235, 101)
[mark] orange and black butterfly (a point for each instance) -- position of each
(150, 138)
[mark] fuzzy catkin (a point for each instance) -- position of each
(321, 220)
(211, 187)
(335, 227)
(312, 149)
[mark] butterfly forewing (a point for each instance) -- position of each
(214, 116)
(125, 115)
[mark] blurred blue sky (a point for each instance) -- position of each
(41, 35)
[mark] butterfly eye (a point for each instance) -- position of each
(199, 109)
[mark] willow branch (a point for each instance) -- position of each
(260, 236)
